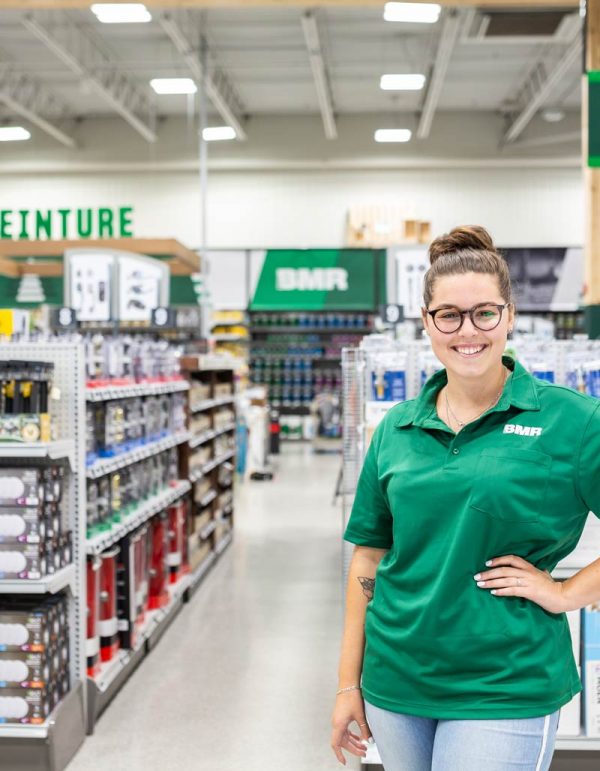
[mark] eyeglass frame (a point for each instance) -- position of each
(469, 311)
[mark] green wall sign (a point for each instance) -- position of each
(594, 118)
(56, 224)
(321, 279)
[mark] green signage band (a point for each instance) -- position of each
(320, 279)
(594, 118)
(54, 224)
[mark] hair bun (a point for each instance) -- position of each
(465, 237)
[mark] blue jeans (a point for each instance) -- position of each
(410, 743)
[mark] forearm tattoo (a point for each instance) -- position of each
(368, 586)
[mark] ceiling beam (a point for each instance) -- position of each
(320, 74)
(220, 91)
(83, 57)
(23, 5)
(451, 26)
(556, 139)
(538, 85)
(31, 100)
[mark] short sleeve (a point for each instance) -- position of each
(370, 522)
(588, 467)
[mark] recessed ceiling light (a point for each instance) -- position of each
(393, 135)
(13, 134)
(218, 133)
(173, 85)
(419, 13)
(553, 116)
(402, 82)
(121, 13)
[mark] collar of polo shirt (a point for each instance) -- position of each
(519, 392)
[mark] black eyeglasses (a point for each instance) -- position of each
(485, 316)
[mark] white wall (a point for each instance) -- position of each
(288, 187)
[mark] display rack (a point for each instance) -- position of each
(52, 744)
(297, 355)
(361, 415)
(207, 459)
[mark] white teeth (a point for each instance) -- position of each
(469, 350)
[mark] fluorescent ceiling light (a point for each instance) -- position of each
(553, 116)
(218, 133)
(402, 82)
(393, 135)
(121, 13)
(173, 85)
(420, 13)
(13, 134)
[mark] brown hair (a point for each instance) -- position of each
(466, 249)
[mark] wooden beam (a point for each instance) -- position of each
(591, 175)
(23, 5)
(181, 260)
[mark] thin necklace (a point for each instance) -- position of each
(461, 423)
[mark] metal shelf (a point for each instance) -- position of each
(231, 338)
(201, 571)
(208, 530)
(217, 462)
(578, 743)
(223, 543)
(148, 509)
(208, 404)
(208, 498)
(47, 585)
(108, 465)
(196, 441)
(63, 448)
(313, 330)
(103, 393)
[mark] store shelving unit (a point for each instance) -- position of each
(211, 394)
(52, 744)
(298, 355)
(104, 466)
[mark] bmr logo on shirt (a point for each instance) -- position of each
(513, 428)
(311, 279)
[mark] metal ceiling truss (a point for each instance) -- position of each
(320, 73)
(85, 57)
(533, 93)
(282, 3)
(453, 23)
(30, 99)
(180, 26)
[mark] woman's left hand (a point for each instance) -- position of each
(513, 576)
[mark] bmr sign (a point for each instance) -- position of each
(55, 224)
(311, 279)
(320, 279)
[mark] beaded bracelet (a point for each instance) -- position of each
(348, 689)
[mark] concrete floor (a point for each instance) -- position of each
(244, 678)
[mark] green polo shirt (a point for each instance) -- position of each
(518, 480)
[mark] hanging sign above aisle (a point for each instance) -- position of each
(46, 224)
(320, 279)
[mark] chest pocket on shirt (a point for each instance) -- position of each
(510, 484)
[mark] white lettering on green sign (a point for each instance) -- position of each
(311, 279)
(46, 224)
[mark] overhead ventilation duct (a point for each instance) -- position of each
(508, 22)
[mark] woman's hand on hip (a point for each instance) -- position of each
(349, 708)
(512, 576)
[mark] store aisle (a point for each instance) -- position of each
(244, 678)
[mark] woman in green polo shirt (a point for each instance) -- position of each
(456, 651)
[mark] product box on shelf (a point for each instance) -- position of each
(27, 669)
(25, 428)
(202, 520)
(26, 629)
(23, 561)
(132, 585)
(108, 624)
(158, 593)
(197, 554)
(92, 641)
(22, 525)
(591, 669)
(28, 706)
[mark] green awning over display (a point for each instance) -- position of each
(321, 279)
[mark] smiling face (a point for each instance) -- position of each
(469, 352)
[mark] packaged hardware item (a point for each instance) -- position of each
(26, 669)
(92, 641)
(27, 706)
(21, 487)
(25, 629)
(27, 561)
(107, 625)
(24, 398)
(159, 595)
(176, 538)
(127, 574)
(22, 525)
